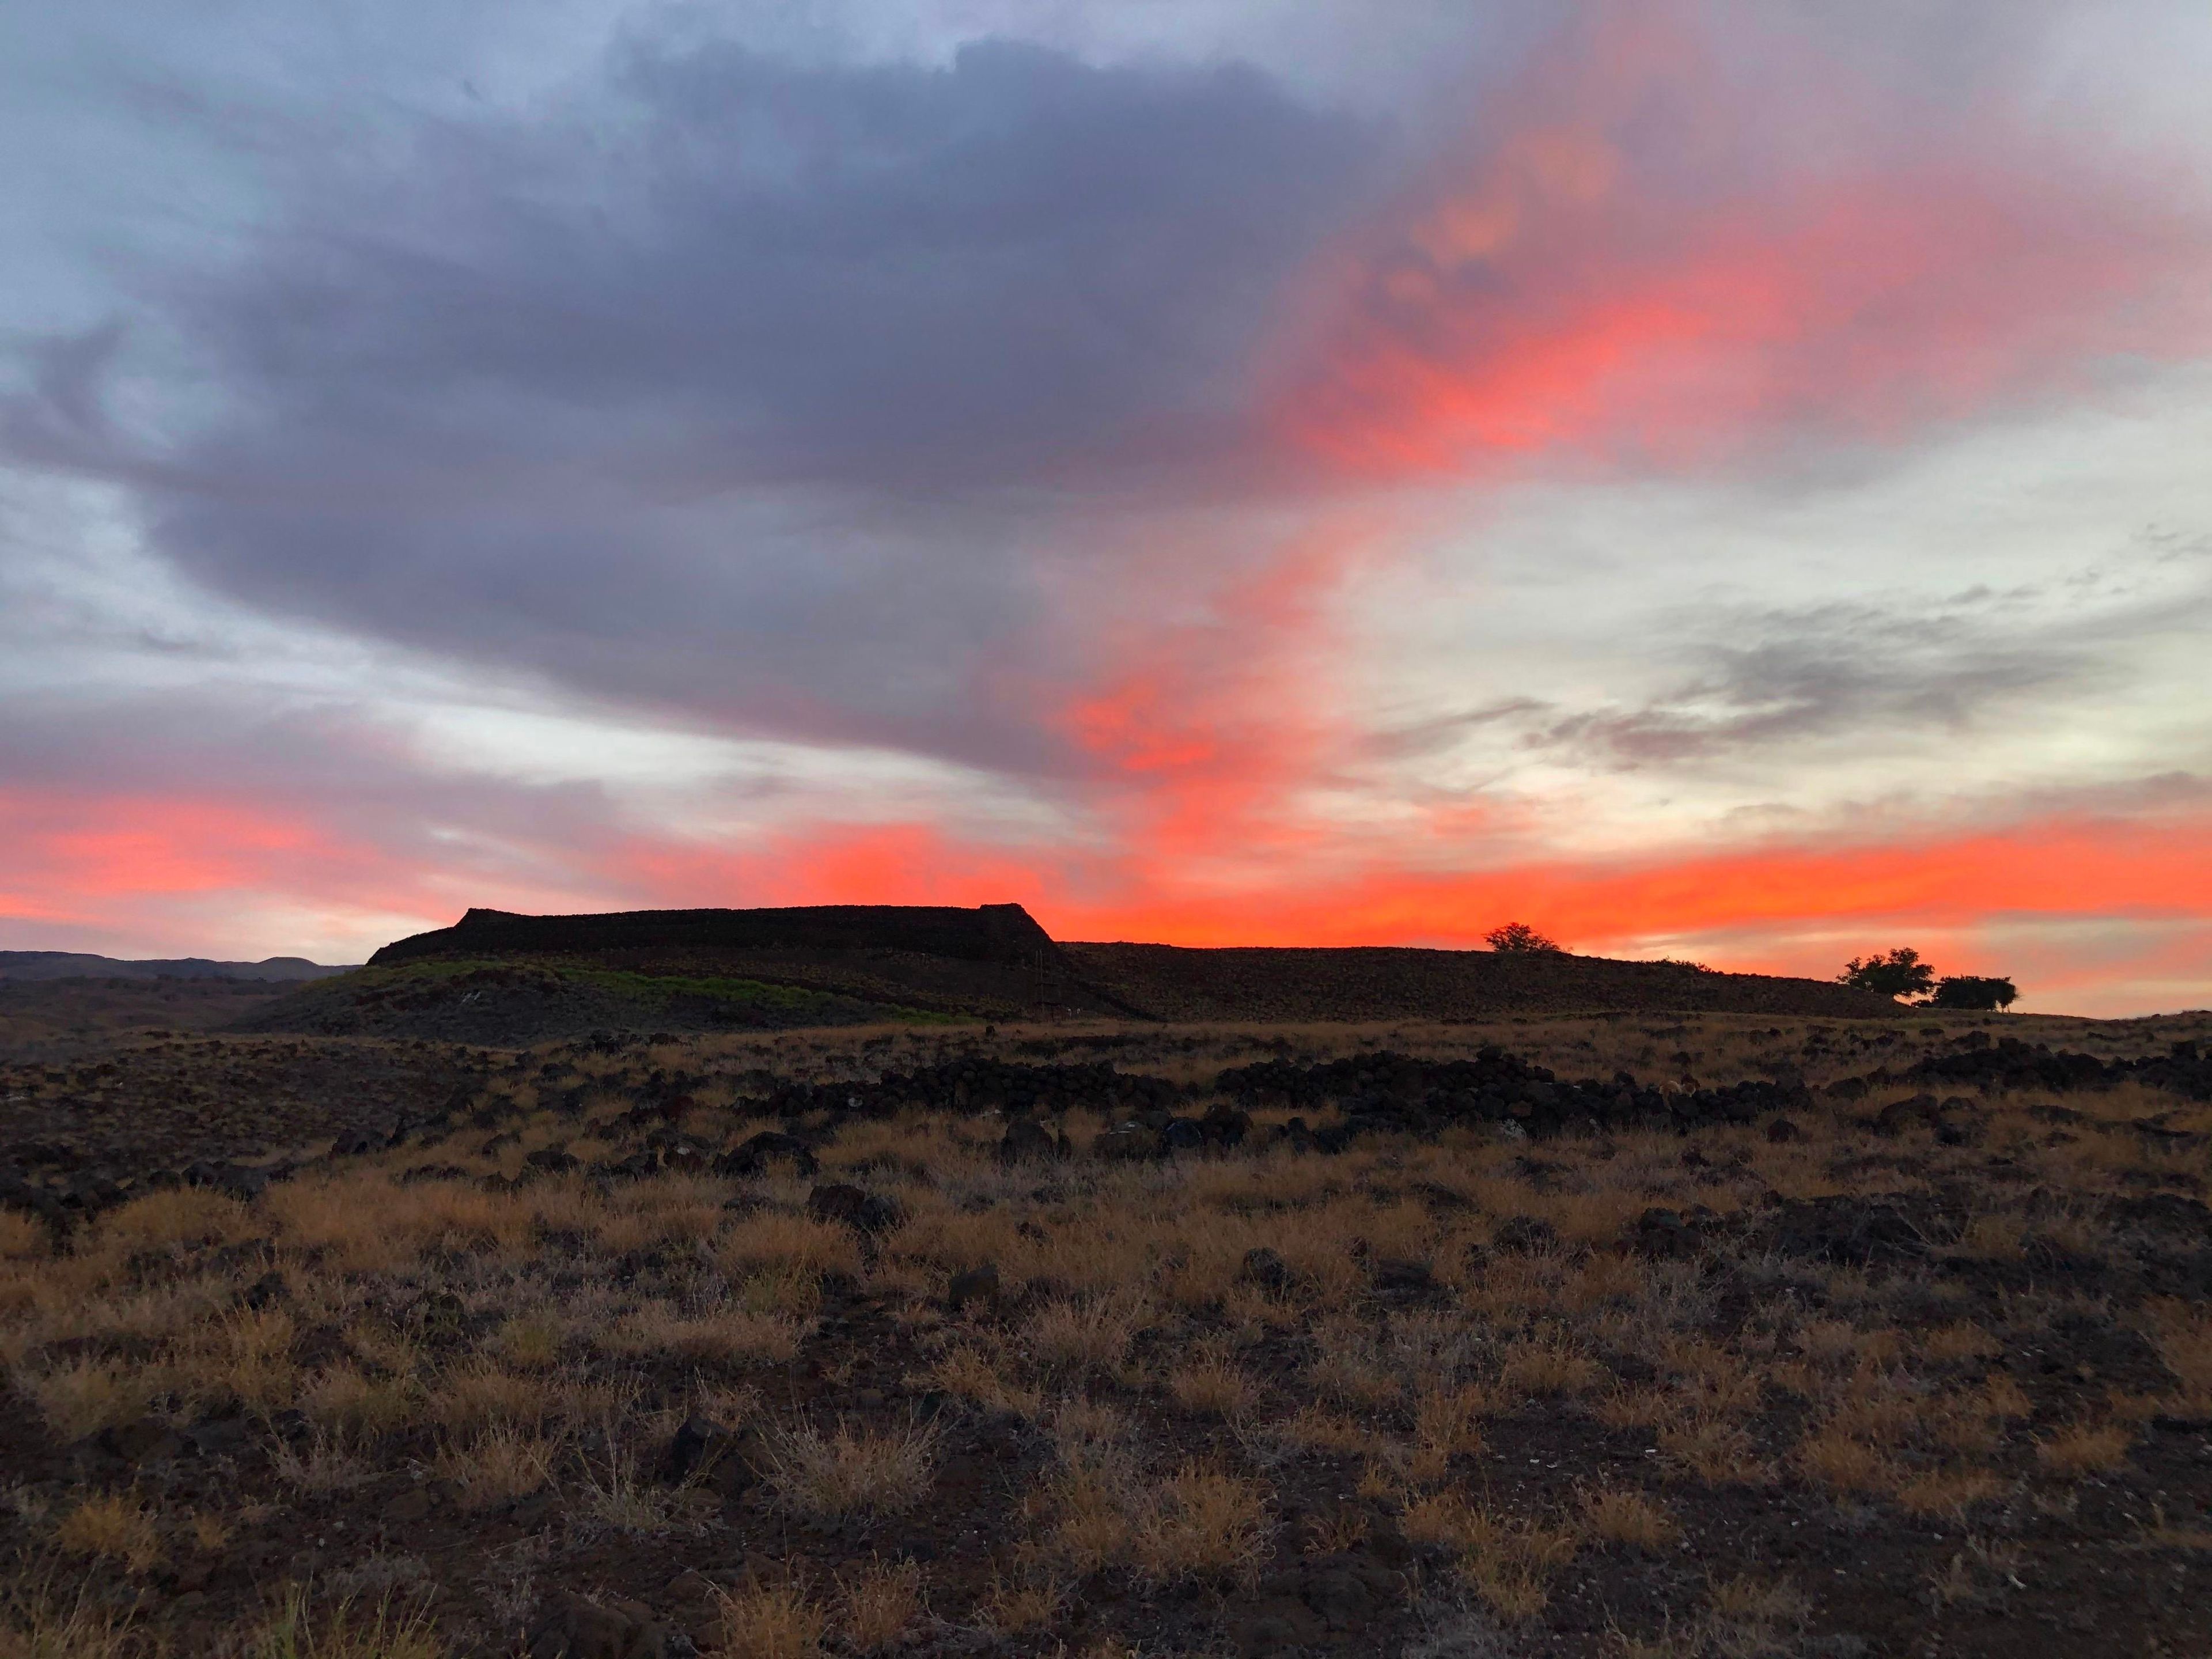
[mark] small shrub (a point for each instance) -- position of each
(781, 1620)
(2085, 1448)
(1834, 1460)
(1212, 1387)
(23, 1238)
(112, 1526)
(1204, 1523)
(345, 1631)
(1015, 1608)
(504, 1461)
(1623, 1516)
(879, 1604)
(853, 1470)
(86, 1396)
(1949, 1491)
(1082, 1337)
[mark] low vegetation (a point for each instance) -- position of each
(610, 1350)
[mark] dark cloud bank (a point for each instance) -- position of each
(737, 387)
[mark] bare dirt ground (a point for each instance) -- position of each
(1638, 1335)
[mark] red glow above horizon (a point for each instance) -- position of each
(1607, 275)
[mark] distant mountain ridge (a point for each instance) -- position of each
(75, 964)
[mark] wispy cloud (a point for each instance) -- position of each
(617, 458)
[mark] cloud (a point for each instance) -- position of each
(734, 385)
(1609, 267)
(966, 471)
(1836, 669)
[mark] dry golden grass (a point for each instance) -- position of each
(791, 1240)
(1718, 1452)
(1746, 1606)
(1548, 1365)
(1349, 1365)
(453, 1314)
(344, 1629)
(2183, 1333)
(1212, 1386)
(879, 1604)
(322, 1462)
(2003, 1397)
(975, 1372)
(1625, 1516)
(39, 1622)
(781, 1620)
(2081, 1448)
(481, 1393)
(1949, 1491)
(1083, 1337)
(1947, 1344)
(729, 1334)
(531, 1342)
(504, 1461)
(1450, 1420)
(344, 1399)
(1013, 1608)
(1831, 1458)
(1507, 1561)
(111, 1526)
(83, 1396)
(176, 1220)
(1319, 1429)
(1091, 1504)
(852, 1470)
(1204, 1523)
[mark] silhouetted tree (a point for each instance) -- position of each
(1900, 974)
(1966, 991)
(1519, 938)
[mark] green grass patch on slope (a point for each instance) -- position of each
(422, 983)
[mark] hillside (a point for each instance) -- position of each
(1166, 981)
(499, 977)
(76, 965)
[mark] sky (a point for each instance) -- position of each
(1725, 482)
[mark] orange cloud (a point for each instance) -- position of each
(2052, 868)
(1610, 268)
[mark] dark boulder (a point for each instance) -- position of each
(568, 1626)
(1854, 1231)
(863, 1211)
(756, 1154)
(1027, 1138)
(976, 1287)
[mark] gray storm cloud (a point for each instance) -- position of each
(730, 386)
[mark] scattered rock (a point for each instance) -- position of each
(977, 1286)
(1026, 1138)
(754, 1156)
(411, 1506)
(1856, 1232)
(1900, 1115)
(702, 1448)
(861, 1210)
(1127, 1140)
(1265, 1268)
(1399, 1275)
(1663, 1233)
(567, 1626)
(142, 1440)
(1523, 1234)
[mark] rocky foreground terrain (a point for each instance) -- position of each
(1713, 1334)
